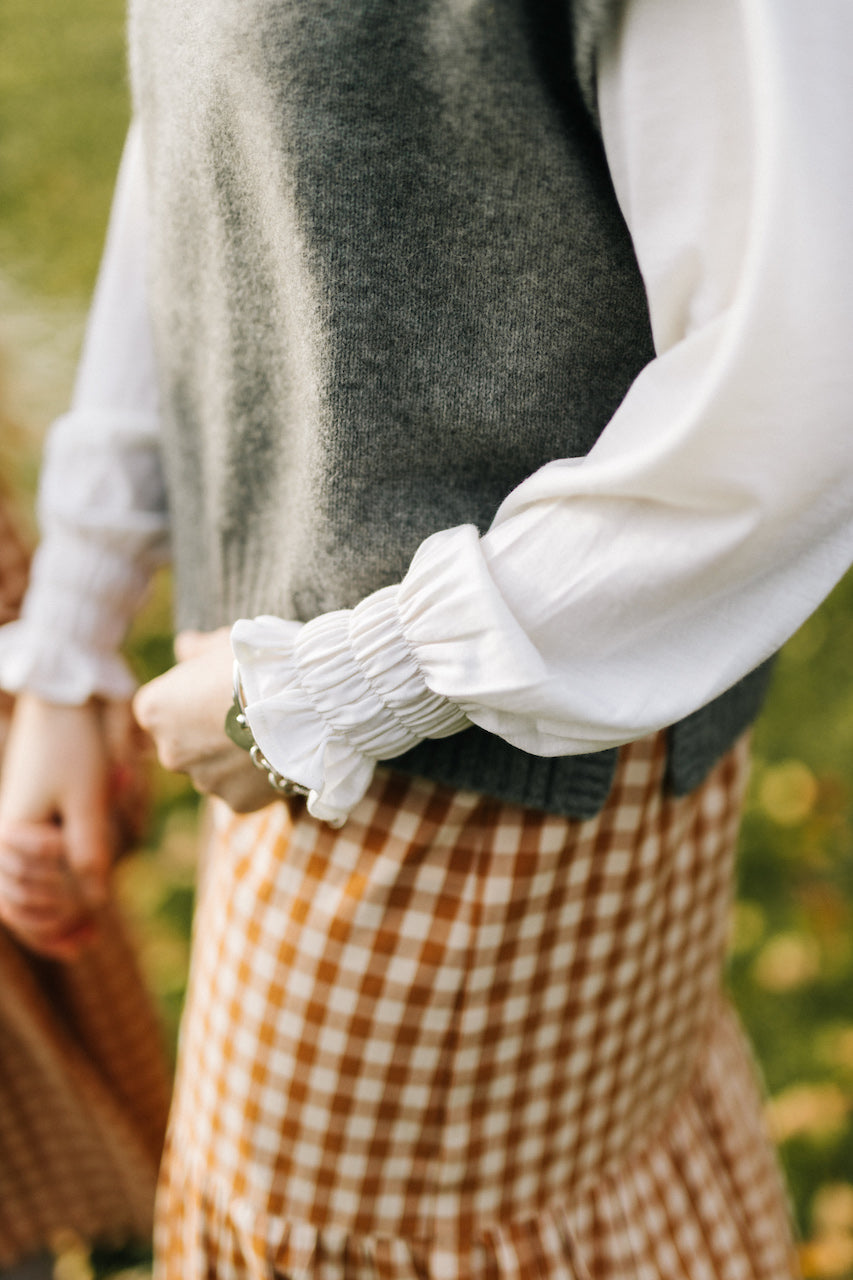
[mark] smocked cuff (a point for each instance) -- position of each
(68, 674)
(65, 646)
(326, 700)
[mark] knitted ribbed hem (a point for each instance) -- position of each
(574, 786)
(578, 786)
(698, 741)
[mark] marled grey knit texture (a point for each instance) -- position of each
(390, 280)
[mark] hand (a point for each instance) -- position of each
(184, 711)
(56, 839)
(40, 899)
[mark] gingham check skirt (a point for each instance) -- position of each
(84, 1080)
(464, 1039)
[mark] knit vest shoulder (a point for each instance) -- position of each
(390, 279)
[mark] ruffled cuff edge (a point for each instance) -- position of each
(67, 674)
(327, 700)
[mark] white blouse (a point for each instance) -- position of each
(615, 593)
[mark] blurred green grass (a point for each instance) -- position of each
(63, 115)
(63, 112)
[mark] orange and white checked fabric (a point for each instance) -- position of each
(463, 1040)
(83, 1097)
(84, 1080)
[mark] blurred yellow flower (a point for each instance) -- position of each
(830, 1257)
(787, 792)
(787, 961)
(830, 1251)
(812, 1110)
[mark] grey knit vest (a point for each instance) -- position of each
(390, 280)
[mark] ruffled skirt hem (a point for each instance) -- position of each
(701, 1199)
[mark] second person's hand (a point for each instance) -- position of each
(56, 836)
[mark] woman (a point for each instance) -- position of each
(477, 485)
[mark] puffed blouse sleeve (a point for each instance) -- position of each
(617, 593)
(101, 502)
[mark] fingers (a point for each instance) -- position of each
(36, 902)
(39, 842)
(40, 900)
(56, 843)
(184, 709)
(33, 868)
(157, 707)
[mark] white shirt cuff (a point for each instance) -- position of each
(327, 699)
(65, 646)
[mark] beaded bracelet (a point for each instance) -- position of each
(238, 730)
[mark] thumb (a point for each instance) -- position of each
(88, 836)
